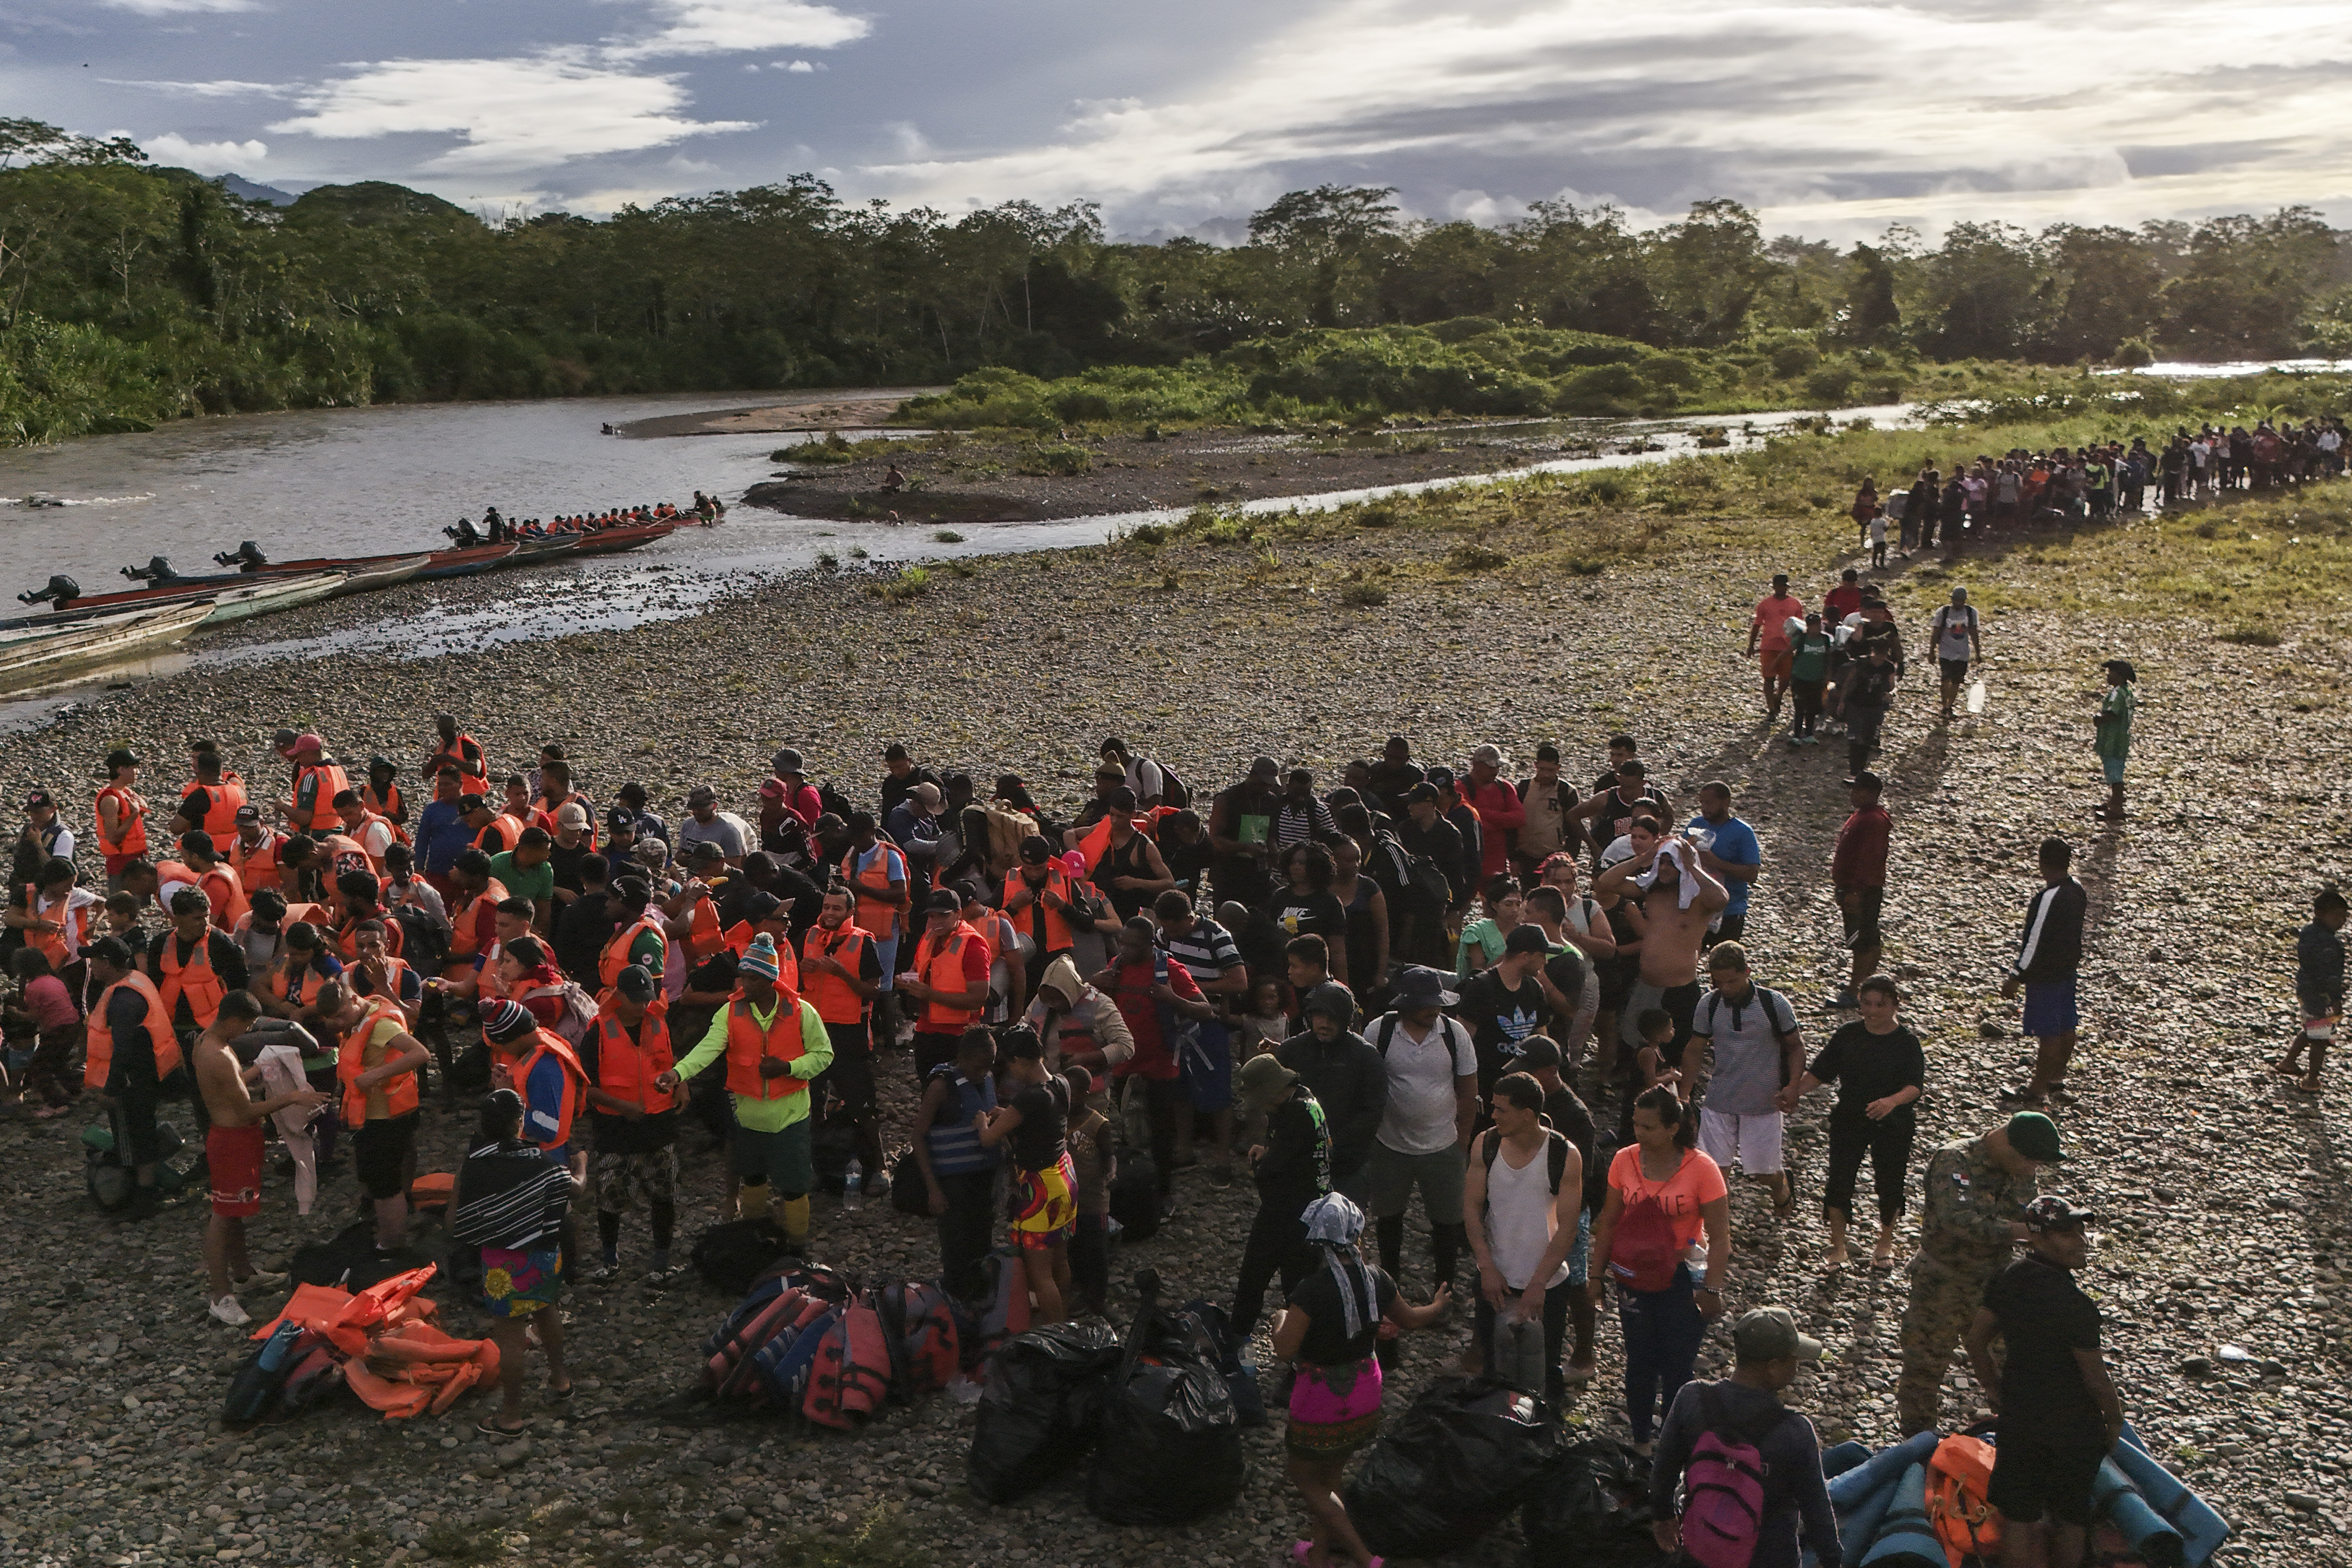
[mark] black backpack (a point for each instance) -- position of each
(422, 942)
(732, 1255)
(1174, 790)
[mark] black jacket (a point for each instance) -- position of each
(1352, 1083)
(2051, 947)
(1296, 1168)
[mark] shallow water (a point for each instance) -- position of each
(374, 480)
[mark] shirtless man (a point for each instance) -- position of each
(233, 1151)
(1670, 930)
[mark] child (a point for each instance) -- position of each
(1878, 538)
(1266, 1024)
(2112, 731)
(1880, 1071)
(2318, 986)
(1656, 1027)
(1096, 1164)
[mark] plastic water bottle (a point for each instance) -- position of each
(853, 1182)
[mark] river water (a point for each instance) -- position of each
(389, 479)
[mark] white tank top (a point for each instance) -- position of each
(1520, 1217)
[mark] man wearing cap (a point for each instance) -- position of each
(1425, 835)
(705, 824)
(633, 1122)
(1954, 641)
(841, 973)
(2113, 730)
(949, 976)
(1767, 1352)
(318, 780)
(2059, 1411)
(1347, 1077)
(1433, 1104)
(644, 824)
(1768, 640)
(1503, 1003)
(1291, 1163)
(787, 793)
(1501, 814)
(575, 839)
(122, 814)
(1977, 1190)
(774, 1044)
(379, 793)
(913, 825)
(44, 840)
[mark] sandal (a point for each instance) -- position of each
(1882, 1261)
(566, 1391)
(488, 1428)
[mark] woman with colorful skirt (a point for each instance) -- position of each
(1329, 1333)
(507, 1216)
(1044, 1207)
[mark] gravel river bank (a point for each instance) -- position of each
(2222, 1193)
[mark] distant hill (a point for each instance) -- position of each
(239, 185)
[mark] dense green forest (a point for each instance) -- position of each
(130, 294)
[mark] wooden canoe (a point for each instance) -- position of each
(39, 659)
(444, 564)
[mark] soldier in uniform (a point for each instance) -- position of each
(1976, 1192)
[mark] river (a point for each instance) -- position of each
(389, 479)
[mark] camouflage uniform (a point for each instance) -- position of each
(1964, 1241)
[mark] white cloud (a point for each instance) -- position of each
(203, 157)
(181, 7)
(729, 27)
(801, 67)
(226, 89)
(512, 114)
(1826, 113)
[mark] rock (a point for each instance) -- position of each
(2301, 1502)
(2195, 1366)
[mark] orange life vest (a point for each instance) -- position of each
(1958, 1479)
(748, 1044)
(575, 1080)
(499, 835)
(347, 937)
(368, 819)
(873, 888)
(464, 911)
(58, 947)
(312, 914)
(399, 1091)
(478, 769)
(703, 937)
(134, 833)
(627, 1069)
(332, 783)
(193, 978)
(615, 956)
(256, 868)
(1057, 882)
(830, 994)
(220, 814)
(1095, 842)
(292, 996)
(386, 806)
(393, 969)
(158, 1025)
(220, 886)
(943, 971)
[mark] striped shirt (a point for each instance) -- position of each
(509, 1196)
(1206, 951)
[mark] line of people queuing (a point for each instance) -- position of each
(1388, 990)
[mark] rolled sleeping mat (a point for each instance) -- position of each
(1905, 1540)
(2149, 1535)
(1837, 1461)
(1858, 1525)
(2202, 1531)
(1883, 1468)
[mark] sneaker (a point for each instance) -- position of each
(606, 1268)
(1220, 1175)
(1845, 998)
(228, 1311)
(875, 1186)
(662, 1279)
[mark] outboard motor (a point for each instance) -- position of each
(157, 569)
(59, 591)
(246, 557)
(463, 533)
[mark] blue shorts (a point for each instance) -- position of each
(2049, 1007)
(1207, 1067)
(2114, 767)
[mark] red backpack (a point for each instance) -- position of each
(1643, 1250)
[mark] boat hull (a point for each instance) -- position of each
(32, 661)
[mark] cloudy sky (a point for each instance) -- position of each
(1836, 117)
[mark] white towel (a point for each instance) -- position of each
(1687, 888)
(282, 1073)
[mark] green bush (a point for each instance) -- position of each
(1056, 459)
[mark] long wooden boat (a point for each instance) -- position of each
(361, 574)
(537, 552)
(42, 658)
(444, 564)
(259, 596)
(613, 540)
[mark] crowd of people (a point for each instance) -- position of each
(1524, 998)
(494, 528)
(2092, 483)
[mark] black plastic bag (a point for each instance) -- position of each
(1037, 1413)
(1135, 1196)
(1168, 1440)
(350, 1259)
(733, 1254)
(1591, 1510)
(1468, 1452)
(1213, 1337)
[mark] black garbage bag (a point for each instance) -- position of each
(1168, 1440)
(1037, 1413)
(1468, 1452)
(1591, 1510)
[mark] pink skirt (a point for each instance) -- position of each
(1334, 1410)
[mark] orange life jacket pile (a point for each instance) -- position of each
(394, 1355)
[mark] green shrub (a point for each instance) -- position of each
(1364, 595)
(1057, 458)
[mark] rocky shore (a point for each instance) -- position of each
(2225, 1215)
